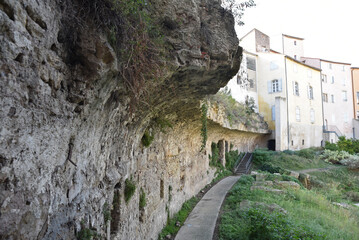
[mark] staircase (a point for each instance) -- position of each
(244, 165)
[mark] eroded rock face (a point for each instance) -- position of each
(68, 140)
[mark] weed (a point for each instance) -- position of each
(171, 227)
(204, 109)
(106, 212)
(147, 139)
(130, 188)
(142, 202)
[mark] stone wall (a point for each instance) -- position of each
(69, 139)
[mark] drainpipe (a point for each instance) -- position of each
(321, 90)
(354, 101)
(286, 89)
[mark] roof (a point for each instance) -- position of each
(323, 60)
(274, 51)
(301, 63)
(354, 68)
(245, 51)
(254, 29)
(288, 36)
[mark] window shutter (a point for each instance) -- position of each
(308, 92)
(269, 86)
(293, 83)
(280, 85)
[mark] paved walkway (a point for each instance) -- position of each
(201, 222)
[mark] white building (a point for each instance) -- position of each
(244, 84)
(337, 97)
(289, 93)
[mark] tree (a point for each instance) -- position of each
(237, 8)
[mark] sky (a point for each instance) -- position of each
(330, 28)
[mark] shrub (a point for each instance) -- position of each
(130, 188)
(261, 156)
(331, 146)
(204, 109)
(352, 162)
(231, 159)
(334, 156)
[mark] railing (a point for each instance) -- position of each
(244, 165)
(332, 129)
(237, 166)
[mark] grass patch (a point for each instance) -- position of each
(130, 188)
(290, 160)
(181, 216)
(310, 216)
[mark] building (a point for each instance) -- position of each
(289, 93)
(355, 83)
(244, 84)
(337, 97)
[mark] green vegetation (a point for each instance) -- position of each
(232, 158)
(86, 233)
(142, 202)
(310, 215)
(236, 112)
(172, 226)
(147, 139)
(130, 188)
(106, 212)
(204, 109)
(349, 145)
(289, 160)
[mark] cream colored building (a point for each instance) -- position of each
(289, 95)
(337, 97)
(293, 46)
(244, 84)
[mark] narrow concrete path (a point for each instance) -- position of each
(201, 221)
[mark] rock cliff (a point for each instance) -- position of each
(70, 137)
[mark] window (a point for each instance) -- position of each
(332, 96)
(324, 78)
(330, 66)
(297, 114)
(325, 97)
(251, 63)
(273, 66)
(332, 79)
(312, 115)
(310, 92)
(295, 43)
(273, 112)
(343, 69)
(295, 56)
(302, 141)
(344, 95)
(275, 86)
(296, 89)
(357, 115)
(343, 81)
(292, 142)
(346, 117)
(357, 97)
(309, 73)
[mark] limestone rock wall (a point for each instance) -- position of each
(68, 138)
